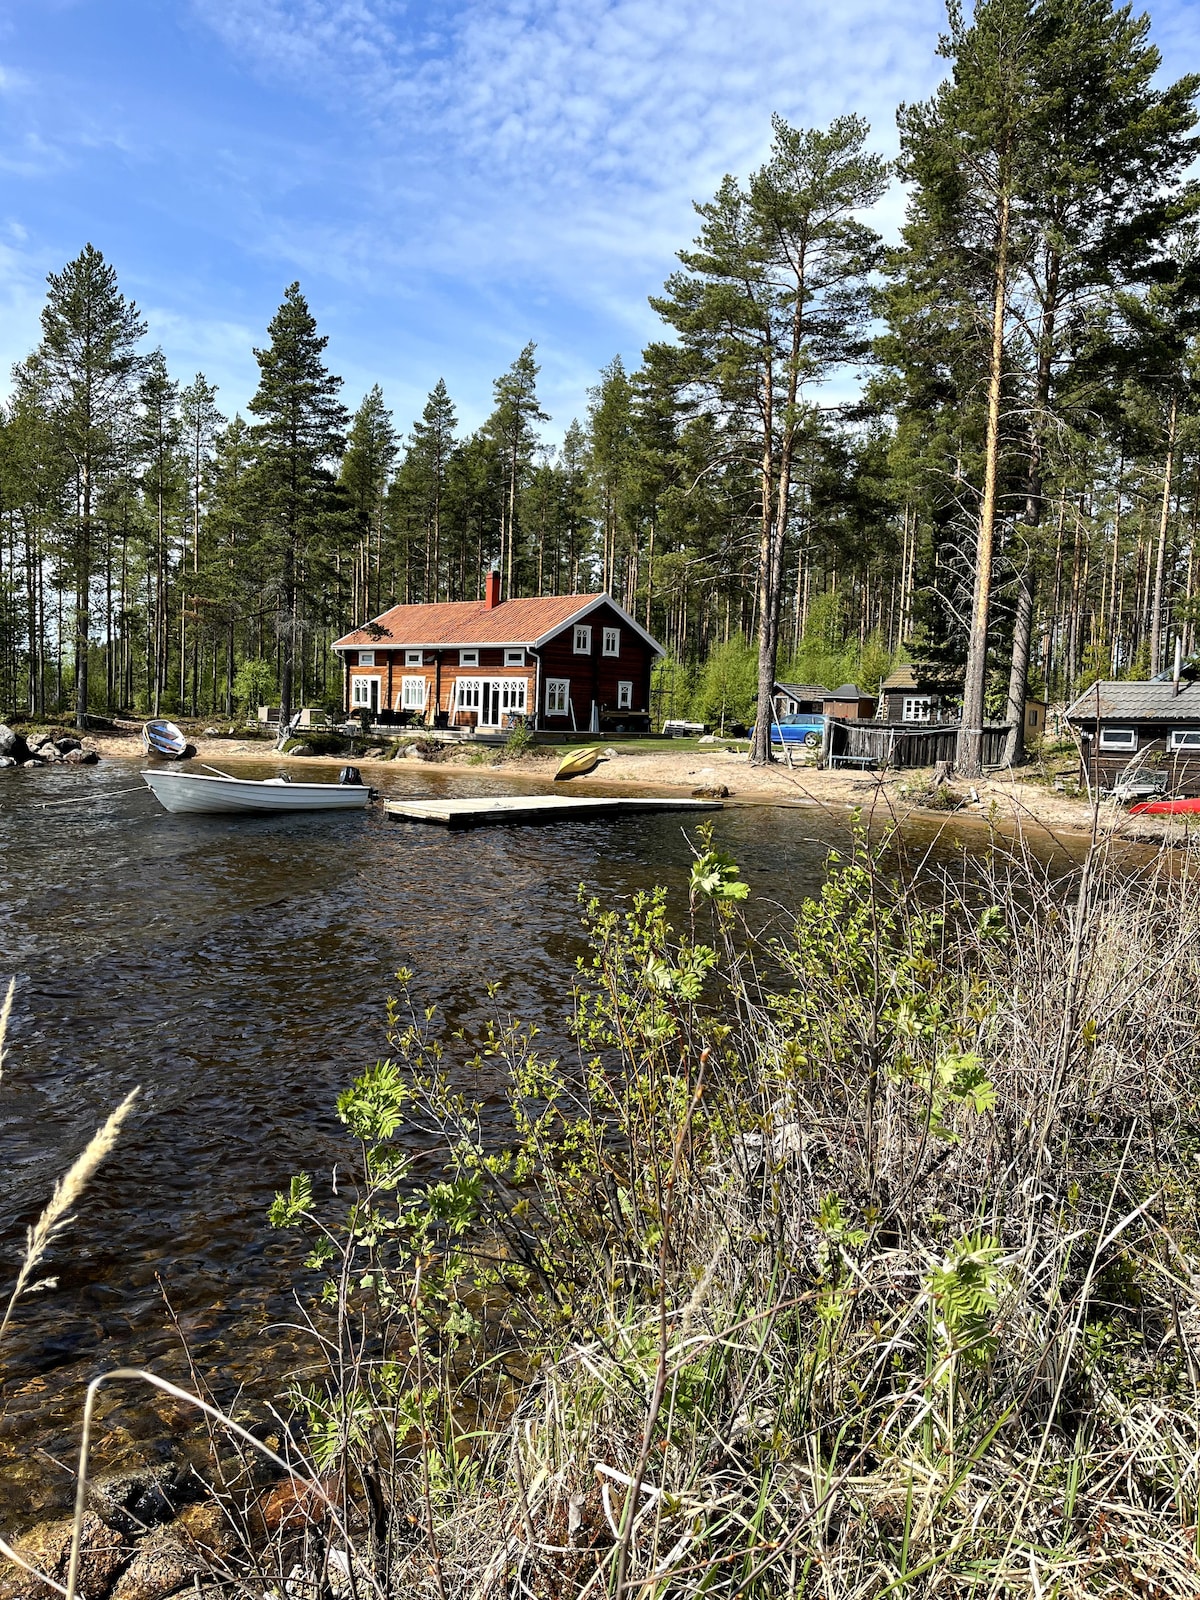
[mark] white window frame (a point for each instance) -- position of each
(1184, 739)
(625, 695)
(1118, 739)
(366, 658)
(917, 708)
(360, 690)
(468, 658)
(514, 657)
(467, 694)
(612, 642)
(583, 638)
(412, 693)
(558, 697)
(414, 658)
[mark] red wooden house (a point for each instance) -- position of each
(562, 662)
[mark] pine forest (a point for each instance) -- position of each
(977, 443)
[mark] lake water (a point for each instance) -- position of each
(236, 969)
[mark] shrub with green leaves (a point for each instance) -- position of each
(854, 1259)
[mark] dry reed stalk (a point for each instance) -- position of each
(67, 1192)
(5, 1013)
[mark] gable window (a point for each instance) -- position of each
(414, 658)
(558, 694)
(583, 640)
(514, 658)
(624, 696)
(412, 695)
(1184, 739)
(468, 658)
(917, 708)
(1118, 739)
(366, 658)
(612, 641)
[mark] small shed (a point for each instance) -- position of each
(1035, 720)
(921, 692)
(792, 699)
(1126, 725)
(849, 704)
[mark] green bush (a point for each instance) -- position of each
(873, 1283)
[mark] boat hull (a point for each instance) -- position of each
(163, 739)
(1167, 808)
(189, 792)
(577, 763)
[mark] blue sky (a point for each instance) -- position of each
(446, 181)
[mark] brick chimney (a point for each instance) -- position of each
(491, 593)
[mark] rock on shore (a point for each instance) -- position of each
(43, 749)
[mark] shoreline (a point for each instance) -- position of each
(1003, 800)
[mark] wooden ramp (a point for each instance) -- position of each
(490, 810)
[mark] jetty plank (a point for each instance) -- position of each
(490, 810)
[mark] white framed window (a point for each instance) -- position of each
(558, 696)
(1184, 739)
(414, 658)
(360, 691)
(412, 694)
(366, 658)
(512, 694)
(468, 658)
(583, 640)
(916, 708)
(1118, 739)
(468, 694)
(514, 658)
(624, 696)
(612, 641)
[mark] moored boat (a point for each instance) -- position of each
(577, 763)
(194, 792)
(162, 738)
(1181, 807)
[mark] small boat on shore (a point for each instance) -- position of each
(194, 792)
(162, 738)
(577, 763)
(1182, 807)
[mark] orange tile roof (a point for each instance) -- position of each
(458, 622)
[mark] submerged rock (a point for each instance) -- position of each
(162, 1565)
(103, 1551)
(81, 758)
(140, 1498)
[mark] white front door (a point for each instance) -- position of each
(500, 698)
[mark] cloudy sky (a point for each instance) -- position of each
(446, 180)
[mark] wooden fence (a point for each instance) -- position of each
(892, 744)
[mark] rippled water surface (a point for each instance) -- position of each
(236, 968)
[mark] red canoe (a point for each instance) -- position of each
(1166, 808)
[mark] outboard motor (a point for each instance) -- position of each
(351, 776)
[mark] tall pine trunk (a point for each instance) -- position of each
(1164, 520)
(969, 753)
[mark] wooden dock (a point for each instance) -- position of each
(490, 810)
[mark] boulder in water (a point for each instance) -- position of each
(8, 761)
(81, 757)
(67, 742)
(12, 743)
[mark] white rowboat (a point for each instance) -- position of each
(190, 791)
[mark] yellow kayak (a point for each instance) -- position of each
(579, 761)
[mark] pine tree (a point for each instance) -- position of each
(300, 434)
(87, 360)
(512, 426)
(366, 468)
(200, 421)
(773, 299)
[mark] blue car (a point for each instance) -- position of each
(800, 728)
